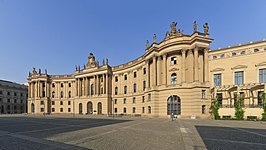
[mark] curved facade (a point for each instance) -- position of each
(174, 76)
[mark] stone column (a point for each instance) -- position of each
(196, 64)
(46, 89)
(183, 51)
(29, 90)
(78, 89)
(148, 73)
(94, 90)
(159, 80)
(104, 83)
(164, 66)
(107, 84)
(206, 64)
(154, 61)
(89, 87)
(97, 91)
(86, 86)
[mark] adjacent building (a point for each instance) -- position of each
(178, 76)
(13, 98)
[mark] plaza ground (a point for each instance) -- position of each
(126, 133)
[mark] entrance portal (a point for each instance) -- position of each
(89, 108)
(99, 108)
(174, 105)
(32, 108)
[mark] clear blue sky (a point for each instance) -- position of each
(59, 34)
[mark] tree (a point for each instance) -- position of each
(264, 107)
(215, 109)
(239, 112)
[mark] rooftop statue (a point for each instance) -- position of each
(206, 28)
(154, 38)
(147, 44)
(34, 71)
(179, 32)
(40, 71)
(173, 26)
(167, 35)
(195, 26)
(45, 71)
(106, 61)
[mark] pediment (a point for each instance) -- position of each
(217, 69)
(239, 67)
(174, 69)
(261, 64)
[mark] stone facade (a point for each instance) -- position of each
(174, 76)
(13, 98)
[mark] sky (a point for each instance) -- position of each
(58, 34)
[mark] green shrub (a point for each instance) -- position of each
(215, 109)
(264, 108)
(239, 112)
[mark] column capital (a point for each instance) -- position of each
(164, 56)
(189, 51)
(206, 49)
(196, 48)
(183, 51)
(159, 58)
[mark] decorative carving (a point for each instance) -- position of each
(195, 26)
(147, 44)
(261, 64)
(179, 32)
(239, 67)
(173, 69)
(173, 26)
(167, 35)
(206, 28)
(154, 38)
(217, 69)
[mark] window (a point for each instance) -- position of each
(149, 97)
(239, 77)
(217, 79)
(143, 109)
(203, 94)
(256, 50)
(0, 99)
(116, 90)
(214, 57)
(149, 109)
(42, 109)
(125, 101)
(135, 74)
(134, 87)
(134, 110)
(116, 79)
(144, 70)
(15, 101)
(144, 85)
(222, 56)
(61, 102)
(21, 101)
(125, 89)
(243, 52)
(203, 109)
(8, 93)
(260, 98)
(92, 89)
(42, 102)
(8, 100)
(61, 109)
(115, 102)
(43, 84)
(173, 60)
(53, 85)
(219, 97)
(134, 100)
(15, 94)
(53, 103)
(53, 109)
(101, 90)
(173, 79)
(43, 93)
(62, 94)
(233, 54)
(1, 92)
(125, 77)
(125, 110)
(265, 49)
(69, 94)
(69, 102)
(21, 94)
(69, 109)
(115, 110)
(53, 94)
(69, 84)
(262, 75)
(62, 85)
(101, 79)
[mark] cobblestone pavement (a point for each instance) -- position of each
(126, 133)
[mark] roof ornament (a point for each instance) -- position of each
(154, 38)
(195, 26)
(206, 28)
(147, 44)
(173, 26)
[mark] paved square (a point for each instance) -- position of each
(95, 132)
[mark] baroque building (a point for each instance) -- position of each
(179, 75)
(13, 98)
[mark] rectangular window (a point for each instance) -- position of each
(69, 109)
(1, 92)
(42, 109)
(217, 79)
(239, 77)
(125, 110)
(61, 109)
(203, 109)
(173, 60)
(219, 97)
(116, 79)
(125, 77)
(134, 110)
(144, 85)
(53, 103)
(125, 100)
(69, 102)
(135, 74)
(42, 102)
(203, 94)
(149, 97)
(115, 101)
(53, 109)
(61, 102)
(134, 100)
(143, 99)
(143, 109)
(134, 88)
(262, 75)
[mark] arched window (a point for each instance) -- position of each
(116, 79)
(125, 89)
(53, 85)
(243, 52)
(149, 109)
(53, 94)
(214, 57)
(69, 84)
(69, 94)
(144, 70)
(233, 54)
(256, 50)
(101, 90)
(173, 60)
(62, 85)
(116, 90)
(173, 78)
(92, 89)
(62, 94)
(135, 87)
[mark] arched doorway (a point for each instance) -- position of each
(2, 109)
(32, 108)
(99, 108)
(80, 108)
(174, 105)
(89, 108)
